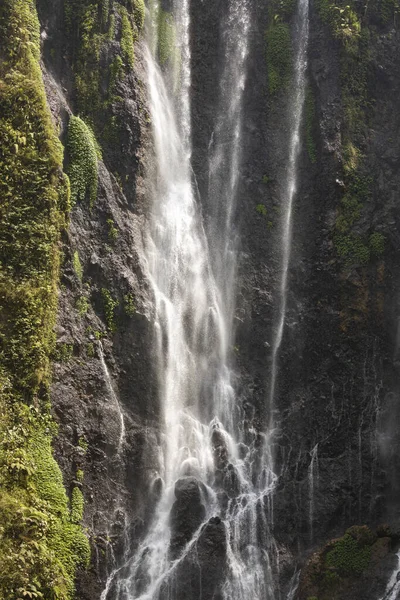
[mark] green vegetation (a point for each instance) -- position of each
(139, 12)
(82, 166)
(129, 305)
(39, 546)
(82, 443)
(90, 350)
(166, 37)
(261, 209)
(110, 305)
(279, 45)
(349, 556)
(341, 559)
(79, 475)
(76, 263)
(350, 26)
(377, 243)
(63, 352)
(116, 70)
(77, 504)
(127, 39)
(112, 231)
(279, 56)
(82, 305)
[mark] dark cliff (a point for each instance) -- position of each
(337, 436)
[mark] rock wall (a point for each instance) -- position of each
(337, 406)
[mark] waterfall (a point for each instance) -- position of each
(207, 446)
(295, 112)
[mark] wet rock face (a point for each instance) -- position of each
(187, 513)
(202, 571)
(337, 462)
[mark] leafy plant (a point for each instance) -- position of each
(129, 305)
(110, 305)
(112, 231)
(82, 305)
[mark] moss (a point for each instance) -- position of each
(261, 209)
(105, 11)
(82, 443)
(129, 305)
(139, 12)
(39, 547)
(42, 547)
(111, 29)
(349, 556)
(279, 56)
(377, 243)
(166, 37)
(341, 17)
(79, 475)
(77, 504)
(127, 39)
(352, 249)
(116, 71)
(82, 166)
(90, 350)
(63, 352)
(112, 232)
(76, 263)
(110, 305)
(82, 305)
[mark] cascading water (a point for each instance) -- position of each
(205, 444)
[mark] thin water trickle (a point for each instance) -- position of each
(295, 113)
(113, 397)
(313, 481)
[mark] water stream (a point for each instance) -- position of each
(114, 397)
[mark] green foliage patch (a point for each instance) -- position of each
(110, 304)
(127, 38)
(76, 263)
(82, 166)
(129, 305)
(348, 556)
(279, 56)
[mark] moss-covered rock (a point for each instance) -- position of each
(340, 569)
(40, 548)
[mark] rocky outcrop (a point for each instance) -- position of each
(336, 443)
